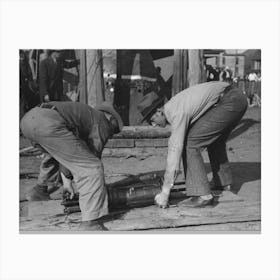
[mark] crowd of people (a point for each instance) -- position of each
(250, 84)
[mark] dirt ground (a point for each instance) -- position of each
(244, 151)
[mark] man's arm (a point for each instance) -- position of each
(175, 148)
(68, 186)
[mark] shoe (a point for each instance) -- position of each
(197, 201)
(92, 226)
(38, 193)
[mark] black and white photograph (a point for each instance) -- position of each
(140, 139)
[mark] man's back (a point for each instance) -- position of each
(194, 100)
(86, 122)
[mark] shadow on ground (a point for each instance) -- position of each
(242, 172)
(243, 126)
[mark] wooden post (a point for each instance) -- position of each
(180, 71)
(122, 90)
(83, 96)
(95, 81)
(196, 68)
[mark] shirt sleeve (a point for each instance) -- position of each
(175, 146)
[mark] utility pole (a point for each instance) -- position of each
(83, 95)
(95, 81)
(180, 71)
(196, 71)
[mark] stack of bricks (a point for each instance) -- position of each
(138, 139)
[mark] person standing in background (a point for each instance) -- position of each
(51, 76)
(25, 77)
(35, 57)
(252, 78)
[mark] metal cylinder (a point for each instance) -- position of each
(134, 195)
(133, 192)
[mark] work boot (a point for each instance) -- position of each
(38, 193)
(93, 225)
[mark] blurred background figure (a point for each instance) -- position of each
(160, 80)
(35, 57)
(225, 75)
(51, 76)
(29, 96)
(252, 79)
(211, 73)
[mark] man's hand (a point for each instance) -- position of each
(67, 186)
(162, 199)
(69, 189)
(46, 98)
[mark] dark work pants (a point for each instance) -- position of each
(211, 131)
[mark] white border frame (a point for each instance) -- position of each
(126, 24)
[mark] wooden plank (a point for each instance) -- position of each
(235, 227)
(46, 215)
(46, 208)
(120, 143)
(162, 142)
(152, 217)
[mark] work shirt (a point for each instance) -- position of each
(86, 123)
(183, 110)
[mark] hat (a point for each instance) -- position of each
(150, 110)
(108, 108)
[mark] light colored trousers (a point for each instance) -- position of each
(47, 128)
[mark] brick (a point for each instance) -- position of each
(120, 143)
(160, 142)
(143, 132)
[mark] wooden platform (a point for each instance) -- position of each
(48, 216)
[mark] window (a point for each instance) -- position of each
(257, 65)
(224, 60)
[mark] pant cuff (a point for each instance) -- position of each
(88, 216)
(198, 191)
